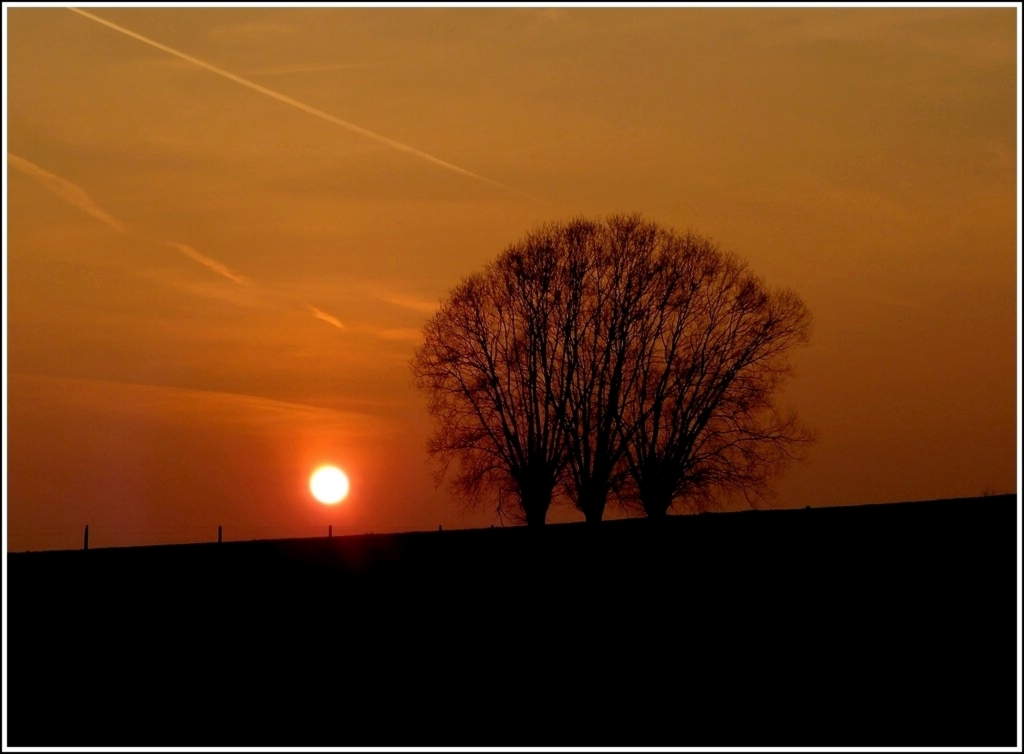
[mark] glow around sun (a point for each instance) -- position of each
(329, 485)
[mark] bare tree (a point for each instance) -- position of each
(610, 339)
(703, 420)
(496, 364)
(610, 357)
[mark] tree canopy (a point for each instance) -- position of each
(611, 359)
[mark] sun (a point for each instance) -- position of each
(329, 485)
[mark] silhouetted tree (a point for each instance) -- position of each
(610, 340)
(610, 357)
(496, 364)
(704, 420)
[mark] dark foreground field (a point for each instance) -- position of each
(886, 625)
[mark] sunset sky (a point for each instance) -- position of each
(225, 228)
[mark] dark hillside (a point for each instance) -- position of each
(882, 625)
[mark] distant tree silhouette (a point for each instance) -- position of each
(612, 358)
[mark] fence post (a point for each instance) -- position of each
(219, 533)
(86, 543)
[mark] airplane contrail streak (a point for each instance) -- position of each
(304, 107)
(77, 197)
(212, 264)
(328, 318)
(66, 190)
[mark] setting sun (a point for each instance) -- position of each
(329, 485)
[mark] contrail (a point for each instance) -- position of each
(328, 318)
(78, 198)
(212, 264)
(304, 107)
(66, 190)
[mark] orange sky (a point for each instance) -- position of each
(218, 262)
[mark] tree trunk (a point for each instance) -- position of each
(656, 513)
(535, 514)
(535, 498)
(594, 512)
(592, 500)
(656, 502)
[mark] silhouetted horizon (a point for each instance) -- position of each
(821, 624)
(621, 517)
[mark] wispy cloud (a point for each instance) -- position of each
(249, 32)
(79, 198)
(66, 190)
(328, 318)
(306, 108)
(221, 269)
(207, 287)
(408, 302)
(286, 70)
(174, 404)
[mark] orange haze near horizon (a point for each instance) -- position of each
(220, 248)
